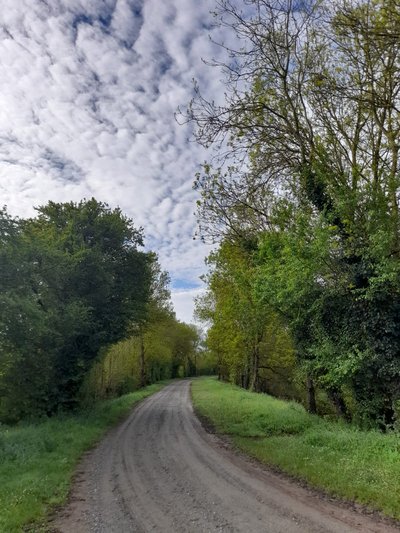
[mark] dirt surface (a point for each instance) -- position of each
(161, 471)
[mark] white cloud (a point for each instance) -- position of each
(88, 92)
(183, 301)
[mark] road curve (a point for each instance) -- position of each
(160, 471)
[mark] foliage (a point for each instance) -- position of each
(247, 339)
(170, 350)
(307, 170)
(75, 281)
(160, 347)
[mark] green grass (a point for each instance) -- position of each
(37, 460)
(361, 466)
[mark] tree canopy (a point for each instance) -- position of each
(306, 179)
(73, 281)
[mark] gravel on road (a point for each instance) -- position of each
(160, 471)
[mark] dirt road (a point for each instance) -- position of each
(161, 471)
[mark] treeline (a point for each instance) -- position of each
(74, 283)
(304, 290)
(165, 349)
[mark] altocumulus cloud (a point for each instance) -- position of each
(88, 90)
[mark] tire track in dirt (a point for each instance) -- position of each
(161, 471)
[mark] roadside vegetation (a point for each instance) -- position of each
(75, 283)
(360, 466)
(85, 317)
(37, 460)
(302, 197)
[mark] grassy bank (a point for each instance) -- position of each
(362, 466)
(37, 460)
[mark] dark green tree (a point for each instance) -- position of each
(81, 283)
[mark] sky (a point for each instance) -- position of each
(88, 92)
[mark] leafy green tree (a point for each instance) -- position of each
(84, 284)
(249, 342)
(158, 312)
(160, 347)
(184, 340)
(170, 348)
(26, 340)
(310, 125)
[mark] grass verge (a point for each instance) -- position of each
(37, 460)
(360, 466)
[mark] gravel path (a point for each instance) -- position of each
(160, 471)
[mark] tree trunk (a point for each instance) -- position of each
(254, 374)
(311, 401)
(337, 400)
(142, 362)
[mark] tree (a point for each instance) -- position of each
(26, 340)
(158, 311)
(85, 282)
(246, 336)
(311, 113)
(170, 349)
(309, 131)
